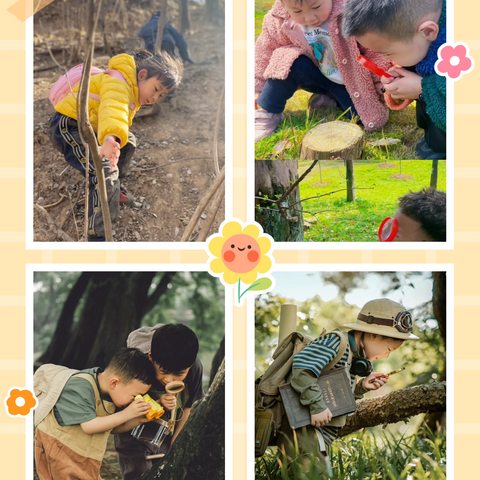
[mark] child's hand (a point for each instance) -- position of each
(111, 150)
(257, 96)
(380, 381)
(407, 86)
(321, 419)
(138, 408)
(168, 401)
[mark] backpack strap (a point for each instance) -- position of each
(341, 350)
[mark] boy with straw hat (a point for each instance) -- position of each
(381, 328)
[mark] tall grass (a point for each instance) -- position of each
(364, 457)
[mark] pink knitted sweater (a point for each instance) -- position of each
(282, 41)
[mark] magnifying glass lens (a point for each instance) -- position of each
(388, 230)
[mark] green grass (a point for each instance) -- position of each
(362, 456)
(342, 221)
(401, 125)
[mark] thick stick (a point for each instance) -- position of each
(87, 129)
(161, 27)
(212, 212)
(219, 179)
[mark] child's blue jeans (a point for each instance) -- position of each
(306, 75)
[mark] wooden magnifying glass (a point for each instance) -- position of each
(174, 388)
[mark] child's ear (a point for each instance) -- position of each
(142, 74)
(114, 381)
(429, 30)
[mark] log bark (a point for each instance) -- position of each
(333, 140)
(272, 178)
(199, 450)
(397, 406)
(217, 361)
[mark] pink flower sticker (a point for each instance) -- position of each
(454, 61)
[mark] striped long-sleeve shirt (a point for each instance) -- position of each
(314, 358)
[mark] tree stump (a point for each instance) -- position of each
(333, 140)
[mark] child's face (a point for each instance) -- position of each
(378, 347)
(122, 394)
(150, 90)
(310, 13)
(409, 230)
(166, 377)
(401, 53)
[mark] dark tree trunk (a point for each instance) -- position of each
(217, 360)
(199, 451)
(436, 421)
(272, 178)
(56, 349)
(397, 406)
(434, 177)
(184, 17)
(350, 180)
(114, 304)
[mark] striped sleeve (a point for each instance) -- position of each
(317, 354)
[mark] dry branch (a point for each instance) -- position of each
(87, 129)
(52, 225)
(397, 406)
(219, 179)
(212, 212)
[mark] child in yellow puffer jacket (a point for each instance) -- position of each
(112, 105)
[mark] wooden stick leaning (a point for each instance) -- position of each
(219, 179)
(87, 129)
(212, 212)
(161, 27)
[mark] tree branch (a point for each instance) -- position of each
(397, 406)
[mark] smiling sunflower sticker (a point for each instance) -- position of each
(239, 254)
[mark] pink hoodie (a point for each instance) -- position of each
(282, 41)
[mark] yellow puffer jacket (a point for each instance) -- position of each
(114, 113)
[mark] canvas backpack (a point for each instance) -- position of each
(64, 85)
(269, 410)
(48, 382)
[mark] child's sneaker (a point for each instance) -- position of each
(426, 153)
(126, 198)
(318, 100)
(265, 123)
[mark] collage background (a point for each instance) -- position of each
(15, 256)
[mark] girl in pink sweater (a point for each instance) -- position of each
(301, 46)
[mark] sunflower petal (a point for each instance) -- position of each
(265, 244)
(217, 266)
(230, 229)
(264, 265)
(251, 230)
(249, 277)
(215, 246)
(230, 277)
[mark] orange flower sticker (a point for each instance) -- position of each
(19, 402)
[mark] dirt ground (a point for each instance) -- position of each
(173, 165)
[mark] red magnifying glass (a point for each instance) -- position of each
(388, 230)
(373, 67)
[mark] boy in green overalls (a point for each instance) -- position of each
(71, 440)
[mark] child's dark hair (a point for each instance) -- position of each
(395, 19)
(429, 208)
(167, 69)
(174, 347)
(131, 364)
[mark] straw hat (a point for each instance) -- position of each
(384, 317)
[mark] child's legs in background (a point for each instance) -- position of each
(306, 75)
(66, 138)
(435, 138)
